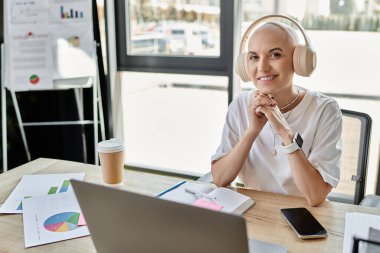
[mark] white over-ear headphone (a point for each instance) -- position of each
(304, 56)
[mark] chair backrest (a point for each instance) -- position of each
(356, 138)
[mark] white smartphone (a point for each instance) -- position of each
(304, 223)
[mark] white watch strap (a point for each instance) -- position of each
(290, 148)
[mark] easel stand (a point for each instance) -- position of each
(73, 83)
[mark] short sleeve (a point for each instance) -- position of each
(326, 151)
(230, 135)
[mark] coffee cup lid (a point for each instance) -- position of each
(110, 146)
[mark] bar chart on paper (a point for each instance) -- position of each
(65, 14)
(70, 11)
(52, 190)
(19, 208)
(38, 185)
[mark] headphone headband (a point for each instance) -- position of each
(247, 33)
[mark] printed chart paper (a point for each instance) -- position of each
(38, 185)
(73, 51)
(31, 61)
(73, 39)
(47, 41)
(52, 218)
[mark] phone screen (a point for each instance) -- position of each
(304, 223)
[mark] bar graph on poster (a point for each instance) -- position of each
(47, 40)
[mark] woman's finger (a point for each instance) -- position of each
(261, 111)
(263, 99)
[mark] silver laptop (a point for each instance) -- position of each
(122, 221)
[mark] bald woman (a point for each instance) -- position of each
(279, 137)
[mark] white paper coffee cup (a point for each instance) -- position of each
(111, 155)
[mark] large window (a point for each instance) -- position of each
(173, 121)
(174, 36)
(174, 28)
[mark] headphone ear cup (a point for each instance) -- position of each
(304, 60)
(240, 67)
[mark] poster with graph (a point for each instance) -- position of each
(38, 185)
(47, 40)
(52, 218)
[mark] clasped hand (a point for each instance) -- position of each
(264, 108)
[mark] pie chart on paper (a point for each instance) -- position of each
(34, 79)
(62, 222)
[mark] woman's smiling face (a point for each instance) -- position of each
(270, 58)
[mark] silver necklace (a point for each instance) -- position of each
(274, 151)
(291, 102)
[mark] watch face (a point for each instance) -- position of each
(298, 139)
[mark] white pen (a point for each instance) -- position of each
(196, 192)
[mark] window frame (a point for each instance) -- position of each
(199, 65)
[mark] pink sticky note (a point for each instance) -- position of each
(207, 204)
(81, 221)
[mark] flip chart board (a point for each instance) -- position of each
(47, 40)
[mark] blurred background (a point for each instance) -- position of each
(169, 69)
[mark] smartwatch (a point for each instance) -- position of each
(297, 144)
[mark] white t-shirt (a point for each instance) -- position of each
(317, 118)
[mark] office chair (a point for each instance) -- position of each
(356, 136)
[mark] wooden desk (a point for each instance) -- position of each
(264, 221)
